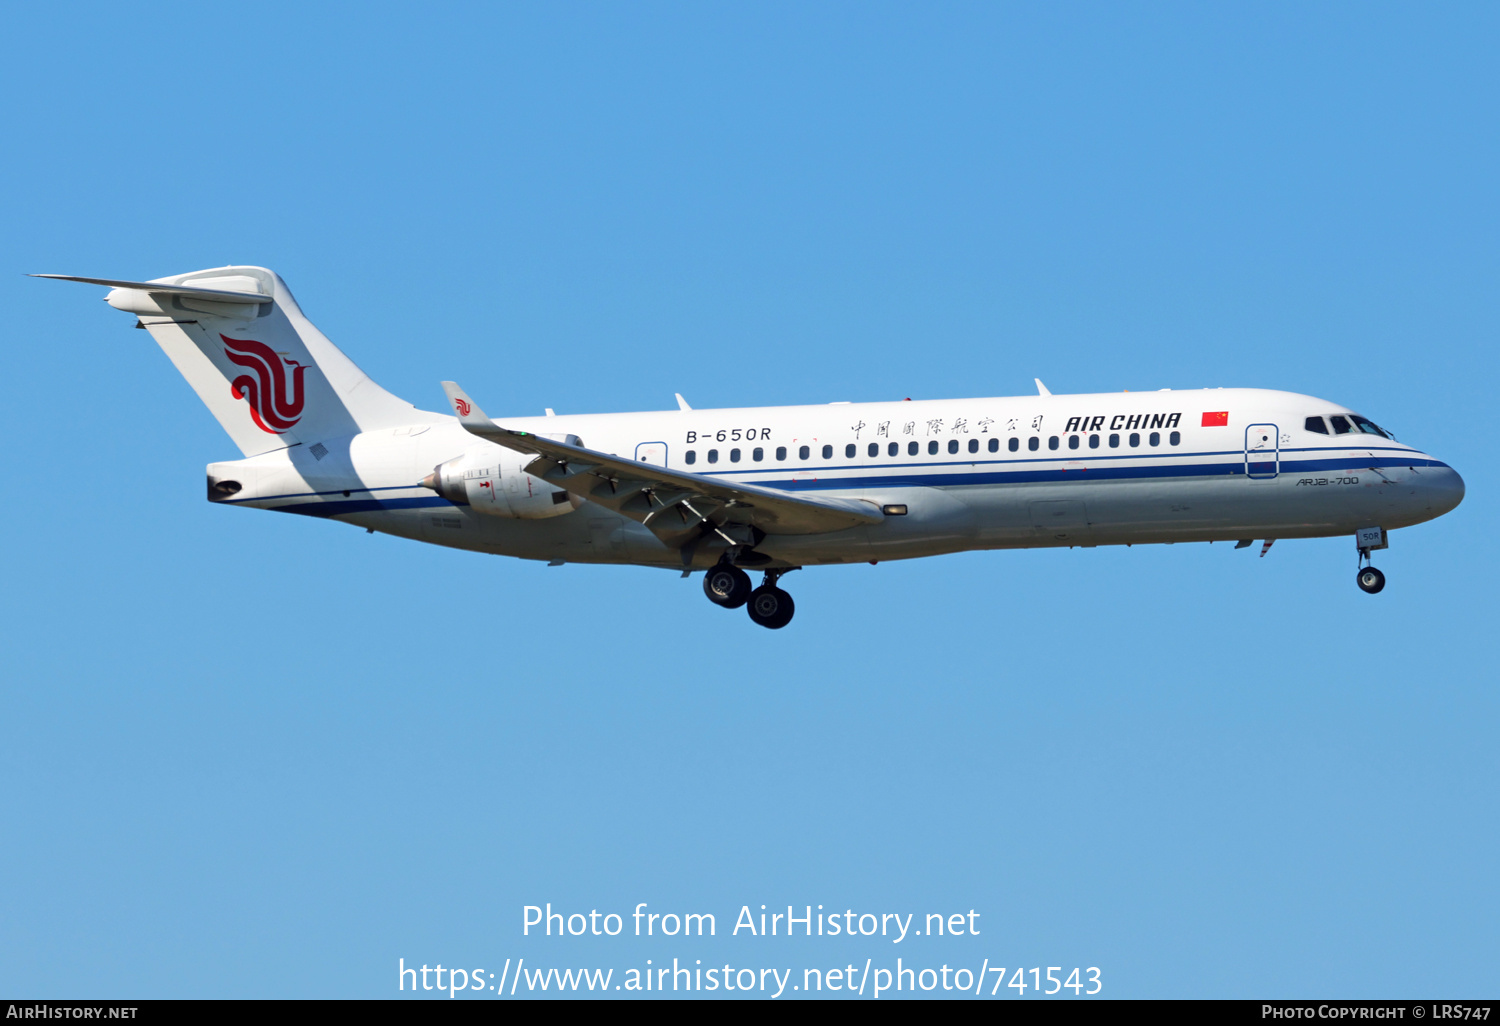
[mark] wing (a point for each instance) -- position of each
(675, 505)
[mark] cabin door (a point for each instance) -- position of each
(1262, 451)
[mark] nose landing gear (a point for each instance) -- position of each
(1370, 580)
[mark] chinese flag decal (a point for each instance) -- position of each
(1220, 419)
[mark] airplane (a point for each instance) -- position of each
(768, 489)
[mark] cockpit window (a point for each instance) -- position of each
(1316, 424)
(1367, 426)
(1340, 425)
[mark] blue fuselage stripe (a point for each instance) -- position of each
(1091, 472)
(933, 475)
(337, 507)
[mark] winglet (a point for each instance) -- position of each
(469, 413)
(681, 402)
(1041, 389)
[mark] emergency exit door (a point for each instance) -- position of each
(654, 453)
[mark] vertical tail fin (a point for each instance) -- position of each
(262, 369)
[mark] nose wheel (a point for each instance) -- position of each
(1367, 539)
(1370, 580)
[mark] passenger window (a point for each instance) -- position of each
(757, 454)
(1367, 426)
(912, 448)
(803, 453)
(952, 446)
(973, 445)
(1114, 441)
(849, 451)
(1072, 441)
(1155, 438)
(1315, 425)
(1093, 441)
(1015, 443)
(1340, 425)
(780, 452)
(995, 444)
(1052, 442)
(1175, 438)
(874, 449)
(1033, 443)
(690, 457)
(1135, 440)
(828, 452)
(894, 449)
(713, 455)
(734, 455)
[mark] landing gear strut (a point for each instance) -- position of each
(1370, 580)
(769, 605)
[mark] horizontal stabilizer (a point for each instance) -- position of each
(165, 288)
(269, 377)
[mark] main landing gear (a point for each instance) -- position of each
(770, 606)
(728, 586)
(1370, 580)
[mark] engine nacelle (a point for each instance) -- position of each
(490, 480)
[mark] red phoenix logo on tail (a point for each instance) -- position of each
(275, 402)
(462, 407)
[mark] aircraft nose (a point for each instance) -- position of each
(1443, 489)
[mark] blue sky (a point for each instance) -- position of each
(251, 755)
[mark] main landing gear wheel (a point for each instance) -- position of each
(771, 607)
(727, 586)
(1370, 580)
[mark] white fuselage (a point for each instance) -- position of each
(1021, 472)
